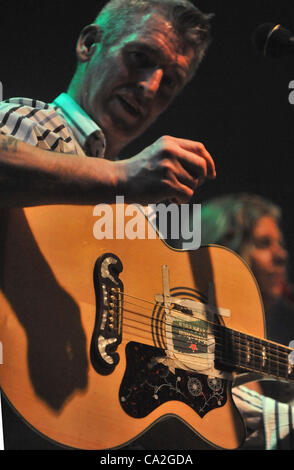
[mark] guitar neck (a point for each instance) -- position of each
(243, 352)
(234, 350)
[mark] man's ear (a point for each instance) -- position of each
(89, 36)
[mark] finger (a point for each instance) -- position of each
(181, 194)
(175, 171)
(194, 164)
(198, 148)
(180, 186)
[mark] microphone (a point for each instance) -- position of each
(273, 40)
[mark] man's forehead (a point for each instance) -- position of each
(157, 35)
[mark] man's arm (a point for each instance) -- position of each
(170, 168)
(32, 176)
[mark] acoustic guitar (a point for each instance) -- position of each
(103, 338)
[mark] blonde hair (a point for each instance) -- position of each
(229, 220)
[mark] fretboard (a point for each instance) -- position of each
(241, 351)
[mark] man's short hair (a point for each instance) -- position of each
(190, 24)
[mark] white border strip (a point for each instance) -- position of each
(1, 429)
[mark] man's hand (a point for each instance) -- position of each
(171, 168)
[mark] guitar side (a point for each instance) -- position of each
(48, 315)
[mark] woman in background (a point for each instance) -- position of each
(250, 225)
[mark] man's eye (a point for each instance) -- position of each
(140, 59)
(169, 81)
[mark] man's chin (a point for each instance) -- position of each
(119, 136)
(116, 141)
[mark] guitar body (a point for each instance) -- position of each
(86, 380)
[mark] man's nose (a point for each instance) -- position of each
(150, 82)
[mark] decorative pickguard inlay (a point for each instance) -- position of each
(148, 383)
(107, 334)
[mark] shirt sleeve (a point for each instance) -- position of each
(37, 124)
(278, 424)
(269, 423)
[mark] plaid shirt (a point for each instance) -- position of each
(61, 126)
(269, 423)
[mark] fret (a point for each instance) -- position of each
(237, 348)
(277, 362)
(282, 361)
(256, 353)
(275, 350)
(266, 360)
(272, 367)
(234, 349)
(264, 356)
(241, 351)
(246, 354)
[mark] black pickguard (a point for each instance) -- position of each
(148, 384)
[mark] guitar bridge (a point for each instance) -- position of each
(107, 333)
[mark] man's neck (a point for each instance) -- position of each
(113, 144)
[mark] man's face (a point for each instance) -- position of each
(267, 258)
(126, 87)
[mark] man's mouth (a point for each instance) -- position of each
(130, 106)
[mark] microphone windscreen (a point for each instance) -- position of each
(272, 40)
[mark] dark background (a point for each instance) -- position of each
(237, 105)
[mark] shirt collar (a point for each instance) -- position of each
(87, 132)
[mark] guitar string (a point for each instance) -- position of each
(262, 358)
(244, 367)
(256, 347)
(252, 338)
(179, 341)
(220, 328)
(221, 356)
(208, 321)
